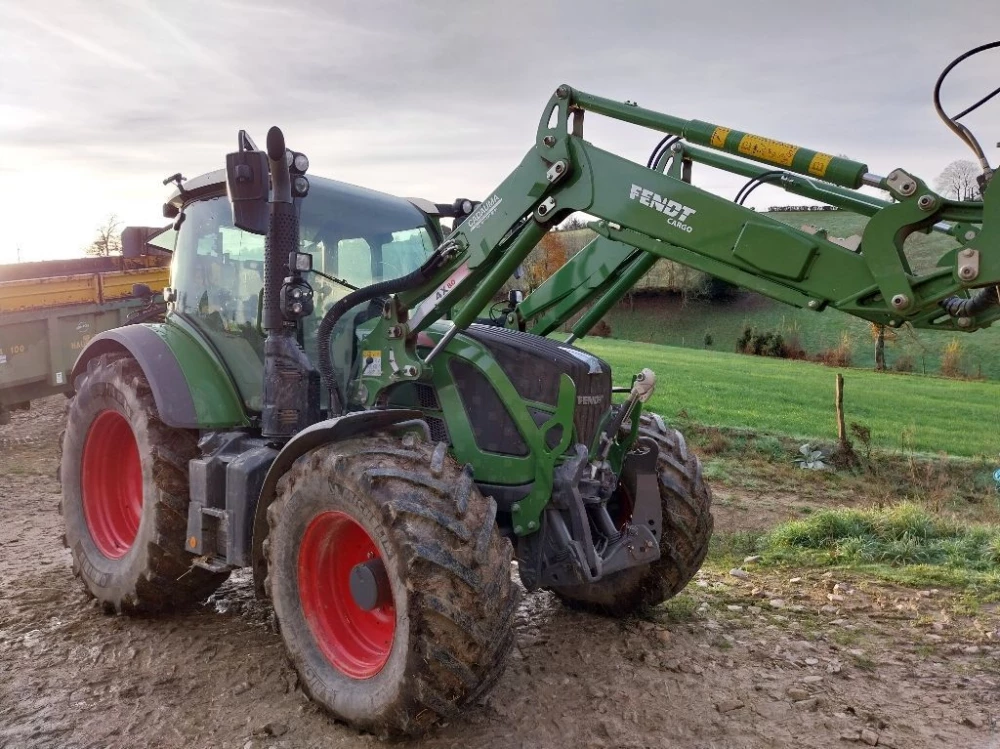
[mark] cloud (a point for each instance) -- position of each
(442, 99)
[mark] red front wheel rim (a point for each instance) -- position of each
(112, 484)
(355, 642)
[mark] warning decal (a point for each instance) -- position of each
(719, 137)
(372, 363)
(819, 164)
(765, 149)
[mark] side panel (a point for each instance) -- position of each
(39, 347)
(191, 389)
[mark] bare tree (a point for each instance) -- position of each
(879, 334)
(572, 224)
(109, 238)
(958, 180)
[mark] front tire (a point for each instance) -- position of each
(441, 632)
(686, 502)
(124, 503)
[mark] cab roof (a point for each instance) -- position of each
(214, 183)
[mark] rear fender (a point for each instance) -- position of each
(191, 389)
(317, 435)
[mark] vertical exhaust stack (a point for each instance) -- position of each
(282, 236)
(291, 384)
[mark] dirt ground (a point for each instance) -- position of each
(759, 660)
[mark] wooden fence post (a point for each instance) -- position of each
(841, 430)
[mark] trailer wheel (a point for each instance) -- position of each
(390, 581)
(125, 494)
(686, 501)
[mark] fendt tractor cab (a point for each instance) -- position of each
(323, 403)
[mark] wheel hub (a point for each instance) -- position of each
(370, 585)
(345, 594)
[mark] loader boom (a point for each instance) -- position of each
(645, 214)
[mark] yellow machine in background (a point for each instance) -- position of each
(50, 310)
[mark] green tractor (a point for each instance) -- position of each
(382, 526)
(324, 403)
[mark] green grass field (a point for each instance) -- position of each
(904, 412)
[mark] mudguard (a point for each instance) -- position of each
(191, 389)
(321, 433)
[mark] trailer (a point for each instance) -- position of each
(50, 310)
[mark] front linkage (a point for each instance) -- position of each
(587, 487)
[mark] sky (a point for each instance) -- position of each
(101, 100)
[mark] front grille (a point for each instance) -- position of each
(492, 425)
(534, 365)
(426, 396)
(439, 432)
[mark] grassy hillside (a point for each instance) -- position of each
(672, 321)
(909, 412)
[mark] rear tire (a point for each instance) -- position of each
(686, 501)
(124, 503)
(444, 634)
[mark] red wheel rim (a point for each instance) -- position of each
(356, 642)
(112, 484)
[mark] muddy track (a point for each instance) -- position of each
(736, 672)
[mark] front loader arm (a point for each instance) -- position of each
(661, 215)
(604, 264)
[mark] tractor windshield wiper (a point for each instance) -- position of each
(341, 281)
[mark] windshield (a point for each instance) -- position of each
(357, 235)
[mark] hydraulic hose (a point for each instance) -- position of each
(383, 288)
(983, 300)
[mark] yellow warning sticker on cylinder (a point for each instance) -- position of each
(719, 137)
(765, 149)
(819, 164)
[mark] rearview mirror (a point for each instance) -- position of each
(135, 239)
(247, 185)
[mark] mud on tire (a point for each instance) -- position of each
(448, 570)
(686, 501)
(138, 564)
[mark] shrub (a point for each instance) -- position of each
(775, 346)
(951, 359)
(744, 340)
(903, 363)
(757, 343)
(838, 356)
(793, 346)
